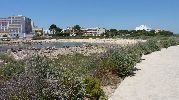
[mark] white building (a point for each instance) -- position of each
(15, 26)
(47, 31)
(85, 31)
(158, 30)
(94, 31)
(143, 27)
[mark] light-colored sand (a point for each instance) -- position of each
(158, 78)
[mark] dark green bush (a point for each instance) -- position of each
(121, 60)
(6, 58)
(93, 88)
(135, 52)
(167, 42)
(11, 69)
(172, 41)
(149, 46)
(144, 48)
(124, 59)
(40, 78)
(153, 45)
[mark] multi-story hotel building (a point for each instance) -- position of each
(94, 31)
(15, 26)
(86, 31)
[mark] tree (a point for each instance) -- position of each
(53, 28)
(77, 30)
(165, 33)
(77, 27)
(113, 30)
(58, 30)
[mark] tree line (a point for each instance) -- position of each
(56, 31)
(133, 33)
(76, 29)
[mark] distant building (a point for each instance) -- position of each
(85, 31)
(15, 26)
(143, 27)
(94, 31)
(47, 31)
(37, 30)
(158, 30)
(69, 30)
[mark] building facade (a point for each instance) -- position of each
(37, 31)
(85, 31)
(15, 26)
(143, 27)
(94, 31)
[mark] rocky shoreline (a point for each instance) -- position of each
(55, 52)
(105, 41)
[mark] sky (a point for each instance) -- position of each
(119, 14)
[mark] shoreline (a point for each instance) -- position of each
(104, 41)
(110, 41)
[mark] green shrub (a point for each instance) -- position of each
(10, 66)
(149, 46)
(42, 79)
(173, 41)
(144, 48)
(124, 59)
(93, 88)
(121, 60)
(6, 58)
(135, 52)
(153, 45)
(167, 42)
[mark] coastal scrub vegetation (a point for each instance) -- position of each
(72, 77)
(113, 33)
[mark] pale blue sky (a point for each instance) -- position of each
(120, 14)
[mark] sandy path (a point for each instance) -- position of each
(158, 78)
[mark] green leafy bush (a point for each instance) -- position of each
(153, 45)
(167, 42)
(124, 59)
(40, 78)
(6, 58)
(144, 48)
(121, 60)
(93, 88)
(10, 67)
